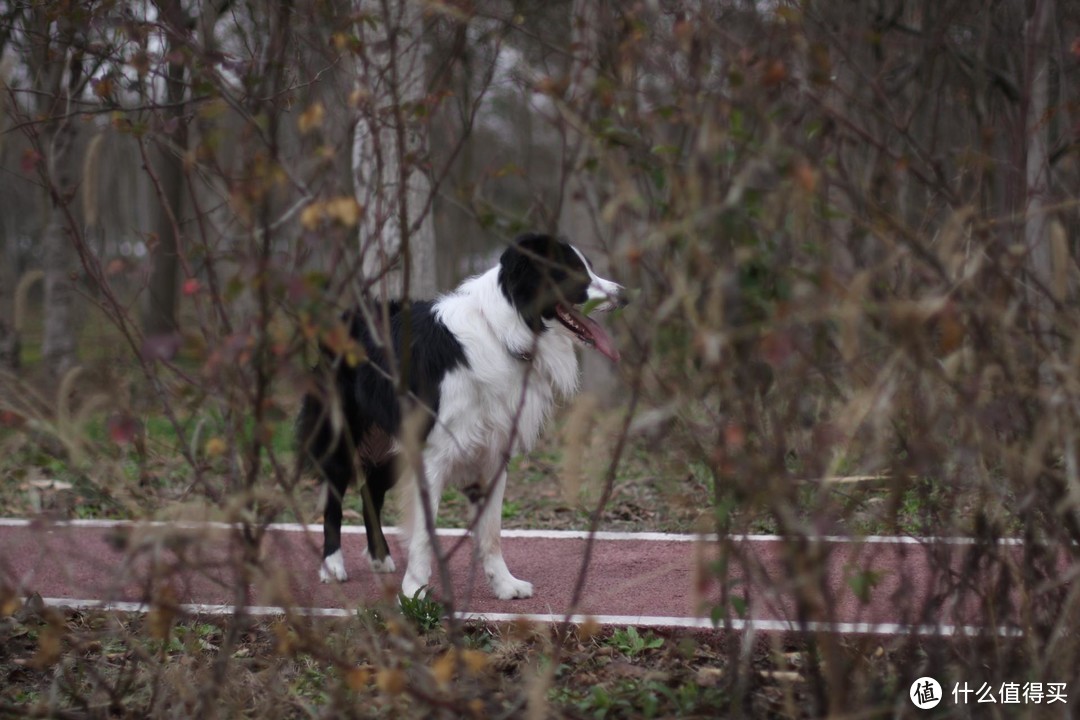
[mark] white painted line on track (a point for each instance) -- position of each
(842, 628)
(738, 625)
(510, 533)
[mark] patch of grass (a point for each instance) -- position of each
(372, 617)
(918, 505)
(453, 509)
(636, 698)
(511, 509)
(422, 609)
(631, 643)
(311, 683)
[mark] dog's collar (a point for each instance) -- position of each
(522, 356)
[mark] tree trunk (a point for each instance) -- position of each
(397, 236)
(159, 316)
(9, 336)
(58, 146)
(9, 270)
(1037, 166)
(58, 342)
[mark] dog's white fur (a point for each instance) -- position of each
(505, 395)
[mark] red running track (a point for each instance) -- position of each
(873, 585)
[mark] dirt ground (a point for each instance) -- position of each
(90, 665)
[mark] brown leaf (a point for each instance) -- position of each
(30, 160)
(344, 210)
(805, 176)
(358, 677)
(475, 660)
(311, 216)
(391, 681)
(951, 332)
(122, 428)
(49, 646)
(775, 73)
(215, 447)
(159, 620)
(9, 603)
(443, 668)
(312, 118)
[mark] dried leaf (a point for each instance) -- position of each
(443, 668)
(805, 176)
(344, 210)
(49, 647)
(358, 677)
(475, 661)
(312, 118)
(122, 428)
(589, 629)
(951, 332)
(215, 447)
(775, 73)
(9, 604)
(311, 216)
(390, 681)
(30, 160)
(159, 620)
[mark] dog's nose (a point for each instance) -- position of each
(620, 296)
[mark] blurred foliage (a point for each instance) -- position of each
(852, 230)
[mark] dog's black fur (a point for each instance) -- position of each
(371, 411)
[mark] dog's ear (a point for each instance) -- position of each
(537, 245)
(527, 254)
(529, 271)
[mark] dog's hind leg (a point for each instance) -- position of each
(378, 479)
(337, 470)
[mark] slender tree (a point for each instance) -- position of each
(397, 237)
(159, 314)
(9, 336)
(1037, 180)
(57, 67)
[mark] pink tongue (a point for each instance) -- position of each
(600, 337)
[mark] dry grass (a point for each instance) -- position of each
(94, 665)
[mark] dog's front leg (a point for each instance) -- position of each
(418, 567)
(488, 536)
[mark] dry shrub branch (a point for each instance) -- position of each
(851, 231)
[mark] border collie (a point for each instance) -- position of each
(480, 370)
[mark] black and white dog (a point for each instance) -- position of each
(483, 367)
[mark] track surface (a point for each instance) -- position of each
(875, 585)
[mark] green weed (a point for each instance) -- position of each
(422, 609)
(631, 643)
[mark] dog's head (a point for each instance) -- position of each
(551, 284)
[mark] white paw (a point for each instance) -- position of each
(411, 585)
(509, 587)
(382, 566)
(333, 568)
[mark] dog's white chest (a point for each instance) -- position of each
(511, 381)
